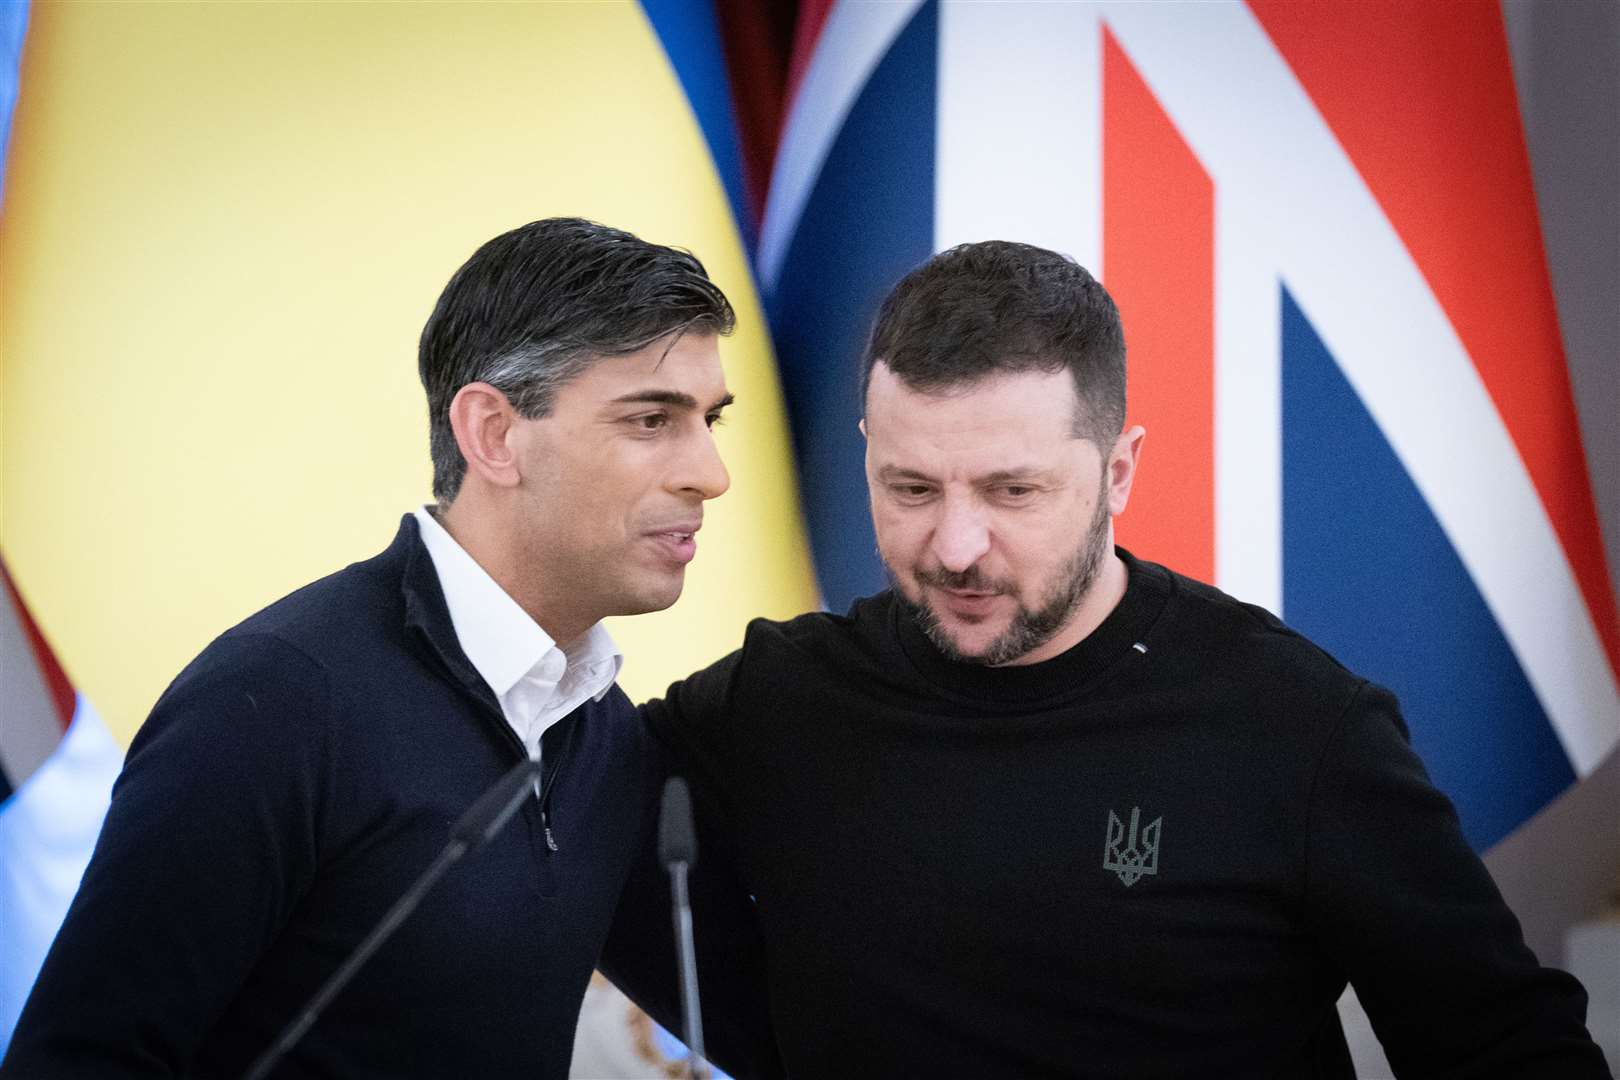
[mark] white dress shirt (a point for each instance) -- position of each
(536, 681)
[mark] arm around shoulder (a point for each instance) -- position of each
(692, 724)
(694, 720)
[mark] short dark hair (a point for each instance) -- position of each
(535, 307)
(999, 306)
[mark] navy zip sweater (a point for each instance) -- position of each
(286, 790)
(1161, 854)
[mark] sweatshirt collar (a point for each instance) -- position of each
(1119, 635)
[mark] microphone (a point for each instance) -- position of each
(677, 850)
(481, 823)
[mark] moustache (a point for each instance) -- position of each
(972, 580)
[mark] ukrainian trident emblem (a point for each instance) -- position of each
(1132, 854)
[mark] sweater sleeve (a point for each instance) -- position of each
(210, 840)
(1398, 900)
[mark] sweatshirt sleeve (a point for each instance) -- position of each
(210, 840)
(690, 723)
(1401, 903)
(693, 720)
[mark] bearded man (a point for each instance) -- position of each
(1046, 809)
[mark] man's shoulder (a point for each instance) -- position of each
(1236, 638)
(298, 640)
(328, 613)
(280, 673)
(1246, 672)
(312, 614)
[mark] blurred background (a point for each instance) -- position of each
(1367, 253)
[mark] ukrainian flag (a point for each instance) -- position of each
(224, 226)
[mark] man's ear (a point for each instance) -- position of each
(1122, 462)
(862, 425)
(483, 422)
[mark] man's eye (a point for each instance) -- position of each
(650, 422)
(911, 491)
(1016, 491)
(715, 419)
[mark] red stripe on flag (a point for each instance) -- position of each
(56, 680)
(1421, 97)
(1159, 264)
(758, 40)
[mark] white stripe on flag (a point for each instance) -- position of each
(1020, 128)
(1248, 405)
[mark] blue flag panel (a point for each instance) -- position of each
(869, 220)
(1370, 576)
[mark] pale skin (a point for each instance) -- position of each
(991, 478)
(590, 510)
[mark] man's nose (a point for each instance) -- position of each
(702, 470)
(962, 536)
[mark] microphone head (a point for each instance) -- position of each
(677, 839)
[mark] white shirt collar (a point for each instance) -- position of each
(502, 641)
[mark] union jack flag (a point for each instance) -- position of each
(1341, 332)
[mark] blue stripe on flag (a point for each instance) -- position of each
(13, 31)
(868, 221)
(690, 34)
(1369, 575)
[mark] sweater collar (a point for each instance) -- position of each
(498, 636)
(1118, 637)
(427, 612)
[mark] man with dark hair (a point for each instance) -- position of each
(307, 767)
(1045, 809)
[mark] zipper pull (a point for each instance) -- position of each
(551, 844)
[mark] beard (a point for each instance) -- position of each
(1031, 627)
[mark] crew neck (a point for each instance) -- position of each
(1147, 591)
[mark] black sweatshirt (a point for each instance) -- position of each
(1161, 854)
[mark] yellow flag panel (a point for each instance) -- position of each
(224, 226)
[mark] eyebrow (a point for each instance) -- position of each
(669, 397)
(1000, 476)
(1003, 476)
(895, 472)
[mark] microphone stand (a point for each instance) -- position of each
(677, 850)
